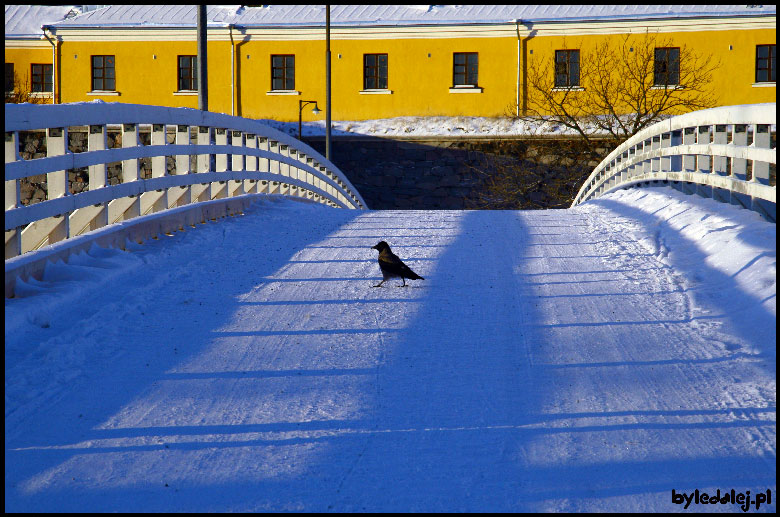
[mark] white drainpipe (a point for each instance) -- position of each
(53, 66)
(232, 72)
(517, 88)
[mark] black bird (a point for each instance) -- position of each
(392, 266)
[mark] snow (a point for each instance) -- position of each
(24, 21)
(394, 15)
(590, 359)
(433, 126)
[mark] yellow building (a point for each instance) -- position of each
(386, 61)
(29, 51)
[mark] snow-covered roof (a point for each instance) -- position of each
(367, 15)
(24, 21)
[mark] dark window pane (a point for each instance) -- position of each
(97, 61)
(766, 63)
(464, 68)
(374, 71)
(9, 77)
(666, 66)
(282, 72)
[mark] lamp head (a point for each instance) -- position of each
(316, 110)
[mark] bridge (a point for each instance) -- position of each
(589, 359)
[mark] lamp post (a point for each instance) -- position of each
(203, 82)
(327, 82)
(301, 104)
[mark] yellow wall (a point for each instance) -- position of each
(420, 84)
(145, 72)
(22, 58)
(732, 81)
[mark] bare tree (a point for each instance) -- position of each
(532, 175)
(603, 96)
(621, 88)
(22, 92)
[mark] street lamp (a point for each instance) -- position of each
(301, 104)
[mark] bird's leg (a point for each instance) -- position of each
(379, 284)
(404, 282)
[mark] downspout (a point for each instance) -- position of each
(53, 66)
(232, 72)
(517, 87)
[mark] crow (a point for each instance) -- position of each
(392, 267)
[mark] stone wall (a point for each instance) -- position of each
(443, 173)
(32, 145)
(459, 173)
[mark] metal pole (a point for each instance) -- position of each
(203, 85)
(327, 82)
(300, 111)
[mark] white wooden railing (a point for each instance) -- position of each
(235, 156)
(725, 153)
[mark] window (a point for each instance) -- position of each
(9, 77)
(464, 68)
(188, 73)
(283, 72)
(765, 63)
(374, 71)
(103, 73)
(41, 78)
(567, 68)
(667, 67)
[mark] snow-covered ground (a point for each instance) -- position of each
(590, 359)
(424, 127)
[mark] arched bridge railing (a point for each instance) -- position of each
(728, 153)
(195, 156)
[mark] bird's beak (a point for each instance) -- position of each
(374, 247)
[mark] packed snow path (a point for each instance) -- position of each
(591, 359)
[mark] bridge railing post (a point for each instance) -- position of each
(762, 140)
(156, 200)
(13, 236)
(180, 196)
(704, 161)
(284, 169)
(54, 228)
(220, 189)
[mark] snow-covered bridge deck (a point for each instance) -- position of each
(591, 359)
